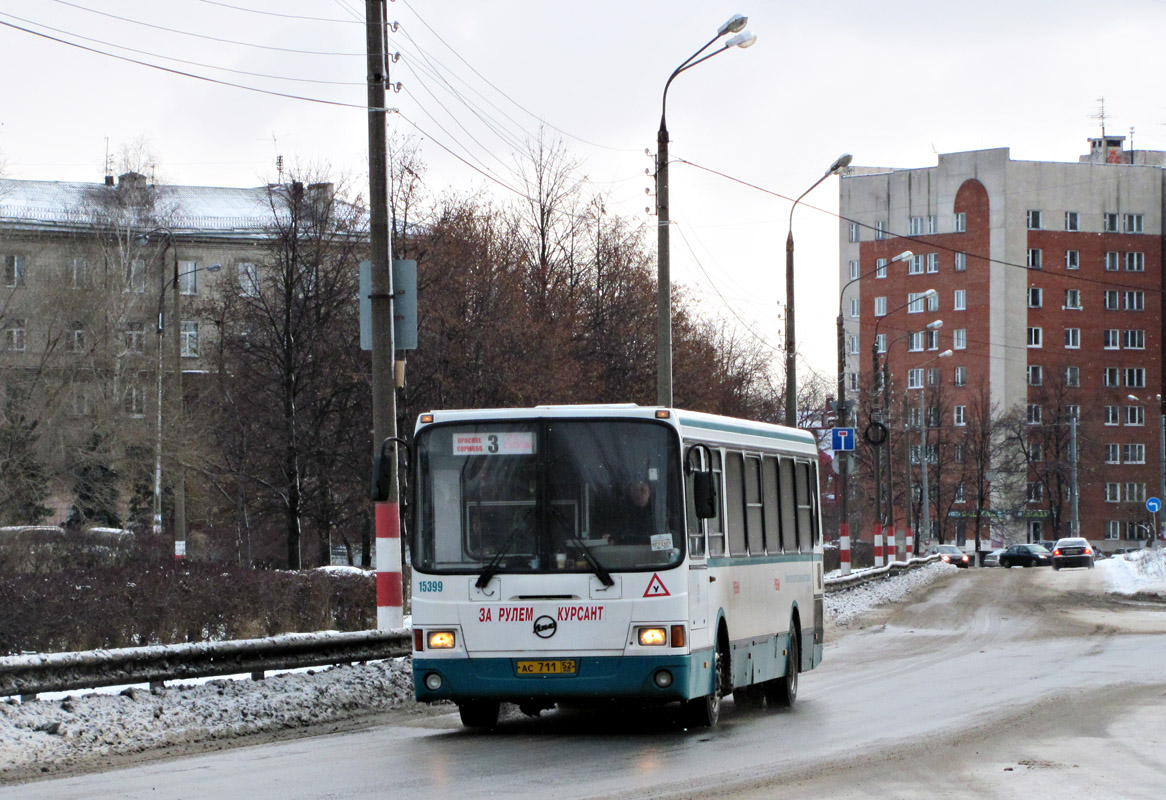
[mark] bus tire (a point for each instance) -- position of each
(783, 691)
(481, 715)
(704, 712)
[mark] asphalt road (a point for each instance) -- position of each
(993, 683)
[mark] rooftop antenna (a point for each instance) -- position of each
(279, 167)
(1131, 141)
(108, 163)
(1100, 115)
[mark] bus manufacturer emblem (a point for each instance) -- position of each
(545, 627)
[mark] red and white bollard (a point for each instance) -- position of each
(890, 550)
(390, 595)
(878, 544)
(844, 547)
(910, 543)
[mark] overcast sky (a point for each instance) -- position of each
(894, 83)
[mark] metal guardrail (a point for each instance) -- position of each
(28, 675)
(844, 582)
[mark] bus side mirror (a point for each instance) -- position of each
(704, 495)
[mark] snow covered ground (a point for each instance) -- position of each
(66, 731)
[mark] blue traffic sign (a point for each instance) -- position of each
(842, 439)
(1153, 505)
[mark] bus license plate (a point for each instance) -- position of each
(556, 667)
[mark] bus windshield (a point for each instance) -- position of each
(547, 496)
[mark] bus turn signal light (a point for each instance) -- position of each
(678, 636)
(440, 640)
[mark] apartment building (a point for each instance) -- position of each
(1048, 282)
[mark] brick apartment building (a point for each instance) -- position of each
(1049, 280)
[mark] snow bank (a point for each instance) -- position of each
(1130, 573)
(847, 605)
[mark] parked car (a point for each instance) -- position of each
(1072, 552)
(1026, 555)
(992, 559)
(950, 554)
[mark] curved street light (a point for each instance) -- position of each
(791, 381)
(734, 25)
(923, 443)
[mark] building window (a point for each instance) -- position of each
(960, 453)
(13, 271)
(1035, 374)
(1134, 340)
(932, 340)
(1133, 453)
(961, 222)
(915, 344)
(933, 380)
(854, 231)
(853, 380)
(961, 262)
(959, 339)
(249, 278)
(881, 268)
(1136, 530)
(1112, 261)
(1034, 337)
(1133, 223)
(1072, 259)
(1135, 262)
(1036, 452)
(189, 339)
(14, 335)
(1110, 338)
(1135, 492)
(1112, 453)
(1072, 338)
(136, 276)
(1136, 377)
(1112, 300)
(1035, 297)
(1112, 529)
(1112, 415)
(916, 302)
(1036, 491)
(961, 300)
(135, 337)
(1073, 299)
(958, 497)
(188, 277)
(1135, 301)
(961, 376)
(1113, 492)
(1112, 376)
(1071, 221)
(79, 272)
(880, 230)
(1034, 414)
(915, 226)
(853, 345)
(932, 224)
(80, 402)
(933, 262)
(881, 343)
(1034, 258)
(135, 401)
(1033, 220)
(880, 308)
(1073, 377)
(854, 307)
(1110, 223)
(960, 415)
(75, 337)
(915, 378)
(916, 265)
(853, 273)
(1135, 415)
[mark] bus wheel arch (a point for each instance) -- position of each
(704, 712)
(782, 691)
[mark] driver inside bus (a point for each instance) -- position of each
(635, 520)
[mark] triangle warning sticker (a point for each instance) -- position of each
(656, 588)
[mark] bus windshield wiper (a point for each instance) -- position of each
(596, 567)
(492, 568)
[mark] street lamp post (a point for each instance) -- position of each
(735, 25)
(843, 416)
(926, 520)
(791, 381)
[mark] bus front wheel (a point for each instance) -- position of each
(479, 715)
(703, 712)
(783, 691)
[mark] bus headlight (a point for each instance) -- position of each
(653, 637)
(440, 640)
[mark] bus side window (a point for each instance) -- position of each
(815, 507)
(805, 513)
(695, 525)
(754, 527)
(789, 541)
(735, 503)
(770, 504)
(715, 525)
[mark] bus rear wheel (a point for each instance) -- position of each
(704, 712)
(783, 691)
(479, 715)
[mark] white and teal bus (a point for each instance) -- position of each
(570, 554)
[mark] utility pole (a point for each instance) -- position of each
(390, 593)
